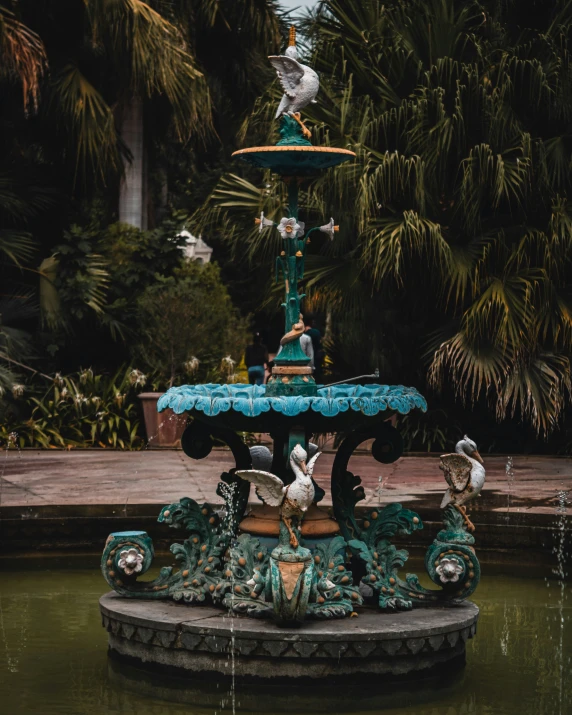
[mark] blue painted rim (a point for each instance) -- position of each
(251, 400)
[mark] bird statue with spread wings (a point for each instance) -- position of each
(465, 475)
(293, 499)
(299, 82)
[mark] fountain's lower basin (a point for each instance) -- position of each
(200, 641)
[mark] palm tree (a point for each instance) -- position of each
(457, 223)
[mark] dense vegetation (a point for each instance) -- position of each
(452, 270)
(77, 289)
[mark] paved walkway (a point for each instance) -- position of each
(86, 477)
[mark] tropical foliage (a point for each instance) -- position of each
(70, 276)
(453, 266)
(81, 410)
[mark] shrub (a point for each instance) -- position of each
(81, 410)
(188, 323)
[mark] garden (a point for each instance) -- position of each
(451, 270)
(304, 249)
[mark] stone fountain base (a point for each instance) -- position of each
(199, 641)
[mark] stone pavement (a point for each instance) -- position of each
(100, 477)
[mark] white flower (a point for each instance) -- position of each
(329, 229)
(290, 228)
(58, 379)
(227, 367)
(192, 365)
(86, 375)
(130, 561)
(18, 390)
(136, 377)
(449, 570)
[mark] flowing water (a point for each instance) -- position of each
(53, 657)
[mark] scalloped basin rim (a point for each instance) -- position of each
(251, 400)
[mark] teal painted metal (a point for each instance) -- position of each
(253, 400)
(292, 583)
(291, 133)
(293, 154)
(291, 578)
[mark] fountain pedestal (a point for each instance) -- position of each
(199, 642)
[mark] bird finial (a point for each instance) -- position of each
(292, 36)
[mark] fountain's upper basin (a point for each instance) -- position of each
(333, 409)
(294, 160)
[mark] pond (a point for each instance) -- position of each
(53, 657)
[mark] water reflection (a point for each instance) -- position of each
(53, 660)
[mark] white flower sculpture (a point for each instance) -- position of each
(449, 570)
(263, 222)
(290, 228)
(130, 561)
(330, 229)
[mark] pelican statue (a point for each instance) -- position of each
(299, 82)
(465, 475)
(293, 499)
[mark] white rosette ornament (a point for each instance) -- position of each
(449, 570)
(130, 561)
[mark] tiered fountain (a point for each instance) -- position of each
(288, 562)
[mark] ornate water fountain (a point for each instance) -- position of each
(308, 575)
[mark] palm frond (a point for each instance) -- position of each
(22, 56)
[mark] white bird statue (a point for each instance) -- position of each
(465, 475)
(293, 499)
(299, 82)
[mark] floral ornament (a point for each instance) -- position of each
(330, 229)
(130, 561)
(290, 228)
(449, 570)
(262, 222)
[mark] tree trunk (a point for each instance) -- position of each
(132, 203)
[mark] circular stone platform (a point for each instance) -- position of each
(197, 640)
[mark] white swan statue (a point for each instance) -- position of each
(299, 82)
(293, 499)
(465, 475)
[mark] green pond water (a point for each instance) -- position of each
(53, 658)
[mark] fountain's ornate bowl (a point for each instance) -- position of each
(334, 409)
(303, 160)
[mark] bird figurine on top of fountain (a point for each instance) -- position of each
(465, 475)
(299, 82)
